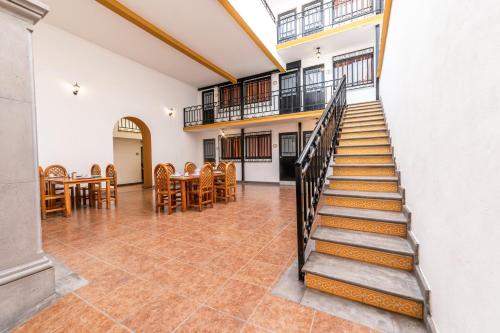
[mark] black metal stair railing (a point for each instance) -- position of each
(312, 166)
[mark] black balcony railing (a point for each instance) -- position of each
(318, 16)
(312, 166)
(290, 100)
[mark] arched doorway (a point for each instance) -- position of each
(132, 152)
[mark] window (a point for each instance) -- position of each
(312, 20)
(356, 66)
(258, 90)
(229, 96)
(125, 125)
(287, 26)
(209, 150)
(258, 146)
(230, 147)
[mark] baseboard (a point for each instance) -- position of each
(24, 290)
(253, 182)
(130, 184)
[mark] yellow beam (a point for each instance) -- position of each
(252, 121)
(152, 29)
(241, 22)
(385, 28)
(370, 20)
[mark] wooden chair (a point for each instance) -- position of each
(203, 191)
(213, 164)
(189, 167)
(165, 192)
(171, 167)
(56, 170)
(221, 166)
(111, 172)
(225, 189)
(49, 202)
(95, 189)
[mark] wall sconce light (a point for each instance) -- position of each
(76, 88)
(170, 112)
(222, 133)
(318, 53)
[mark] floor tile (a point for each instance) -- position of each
(327, 323)
(260, 273)
(277, 314)
(207, 320)
(237, 298)
(163, 314)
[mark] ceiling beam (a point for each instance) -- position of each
(152, 29)
(241, 22)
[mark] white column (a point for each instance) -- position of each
(26, 275)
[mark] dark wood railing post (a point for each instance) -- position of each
(242, 150)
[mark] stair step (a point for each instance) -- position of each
(363, 134)
(380, 158)
(387, 201)
(387, 288)
(365, 214)
(364, 169)
(392, 244)
(350, 114)
(378, 139)
(364, 183)
(364, 149)
(367, 220)
(360, 123)
(362, 112)
(364, 128)
(364, 103)
(363, 119)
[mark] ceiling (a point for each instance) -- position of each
(203, 25)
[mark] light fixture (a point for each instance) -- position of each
(222, 133)
(76, 88)
(318, 53)
(170, 112)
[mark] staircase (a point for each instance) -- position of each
(364, 248)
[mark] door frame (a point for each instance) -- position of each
(280, 150)
(304, 70)
(312, 31)
(204, 150)
(203, 93)
(297, 89)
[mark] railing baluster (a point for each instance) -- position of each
(312, 166)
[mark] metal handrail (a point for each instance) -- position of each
(291, 100)
(312, 166)
(266, 5)
(294, 25)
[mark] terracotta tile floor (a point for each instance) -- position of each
(186, 272)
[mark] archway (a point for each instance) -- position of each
(132, 152)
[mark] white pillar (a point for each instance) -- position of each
(26, 275)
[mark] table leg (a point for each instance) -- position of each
(67, 200)
(183, 195)
(99, 195)
(108, 193)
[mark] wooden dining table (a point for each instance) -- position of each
(68, 182)
(184, 180)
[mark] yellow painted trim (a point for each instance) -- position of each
(385, 28)
(371, 20)
(241, 22)
(152, 29)
(278, 117)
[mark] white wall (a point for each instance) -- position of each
(127, 159)
(258, 171)
(440, 90)
(77, 131)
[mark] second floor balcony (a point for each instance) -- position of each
(318, 15)
(288, 99)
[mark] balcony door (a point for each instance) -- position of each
(289, 92)
(314, 88)
(208, 106)
(312, 20)
(288, 155)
